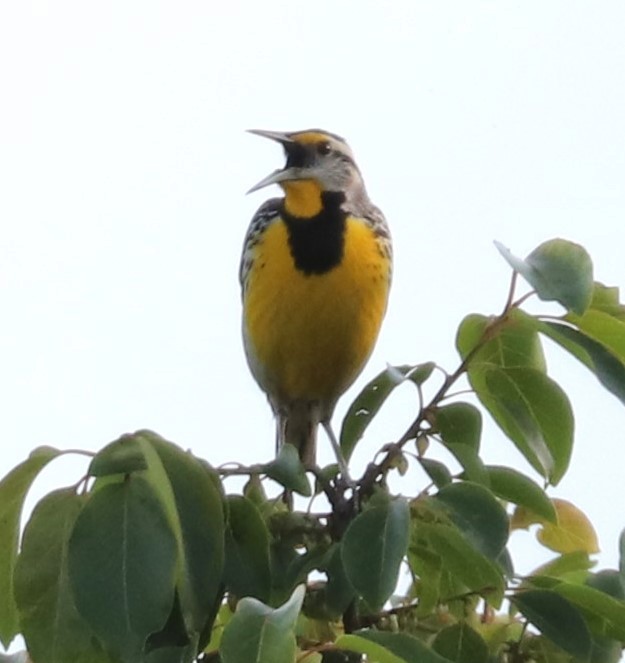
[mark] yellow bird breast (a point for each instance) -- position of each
(308, 336)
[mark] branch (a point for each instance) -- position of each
(375, 471)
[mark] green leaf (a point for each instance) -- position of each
(372, 550)
(478, 515)
(13, 489)
(557, 619)
(572, 531)
(383, 647)
(426, 565)
(122, 565)
(290, 570)
(607, 581)
(122, 456)
(559, 271)
(512, 486)
(608, 369)
(471, 332)
(224, 615)
(261, 634)
(247, 571)
(534, 412)
(283, 558)
(255, 492)
(339, 591)
(288, 471)
(157, 477)
(461, 644)
(53, 629)
(170, 655)
(605, 615)
(437, 471)
(604, 329)
(463, 560)
(421, 372)
(510, 343)
(181, 483)
(605, 650)
(173, 639)
(607, 299)
(538, 648)
(367, 404)
(201, 536)
(506, 564)
(459, 423)
(564, 565)
(471, 462)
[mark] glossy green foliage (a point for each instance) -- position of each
(559, 271)
(262, 634)
(477, 514)
(557, 619)
(372, 397)
(13, 489)
(390, 647)
(461, 644)
(596, 340)
(123, 530)
(460, 428)
(247, 571)
(125, 570)
(288, 471)
(512, 486)
(507, 372)
(372, 550)
(149, 559)
(50, 622)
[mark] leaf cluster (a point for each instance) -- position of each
(148, 559)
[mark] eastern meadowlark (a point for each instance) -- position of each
(315, 275)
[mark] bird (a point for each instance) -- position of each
(315, 274)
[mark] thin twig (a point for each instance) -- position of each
(510, 299)
(241, 470)
(377, 470)
(523, 299)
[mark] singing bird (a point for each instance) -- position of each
(315, 276)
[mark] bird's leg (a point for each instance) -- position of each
(327, 426)
(280, 428)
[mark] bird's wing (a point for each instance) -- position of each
(266, 214)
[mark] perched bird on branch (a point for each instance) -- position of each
(315, 276)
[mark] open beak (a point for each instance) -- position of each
(278, 136)
(278, 175)
(275, 178)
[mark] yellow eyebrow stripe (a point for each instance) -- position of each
(310, 137)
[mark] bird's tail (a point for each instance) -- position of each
(298, 426)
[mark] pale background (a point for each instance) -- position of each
(123, 167)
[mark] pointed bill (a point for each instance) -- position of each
(279, 136)
(278, 175)
(275, 178)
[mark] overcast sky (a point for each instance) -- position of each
(123, 171)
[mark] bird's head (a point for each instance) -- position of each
(316, 162)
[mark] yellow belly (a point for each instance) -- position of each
(308, 337)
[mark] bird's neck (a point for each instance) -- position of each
(302, 198)
(316, 242)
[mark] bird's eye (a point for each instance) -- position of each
(324, 148)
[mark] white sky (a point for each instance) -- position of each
(123, 167)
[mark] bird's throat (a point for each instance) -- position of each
(317, 242)
(302, 198)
